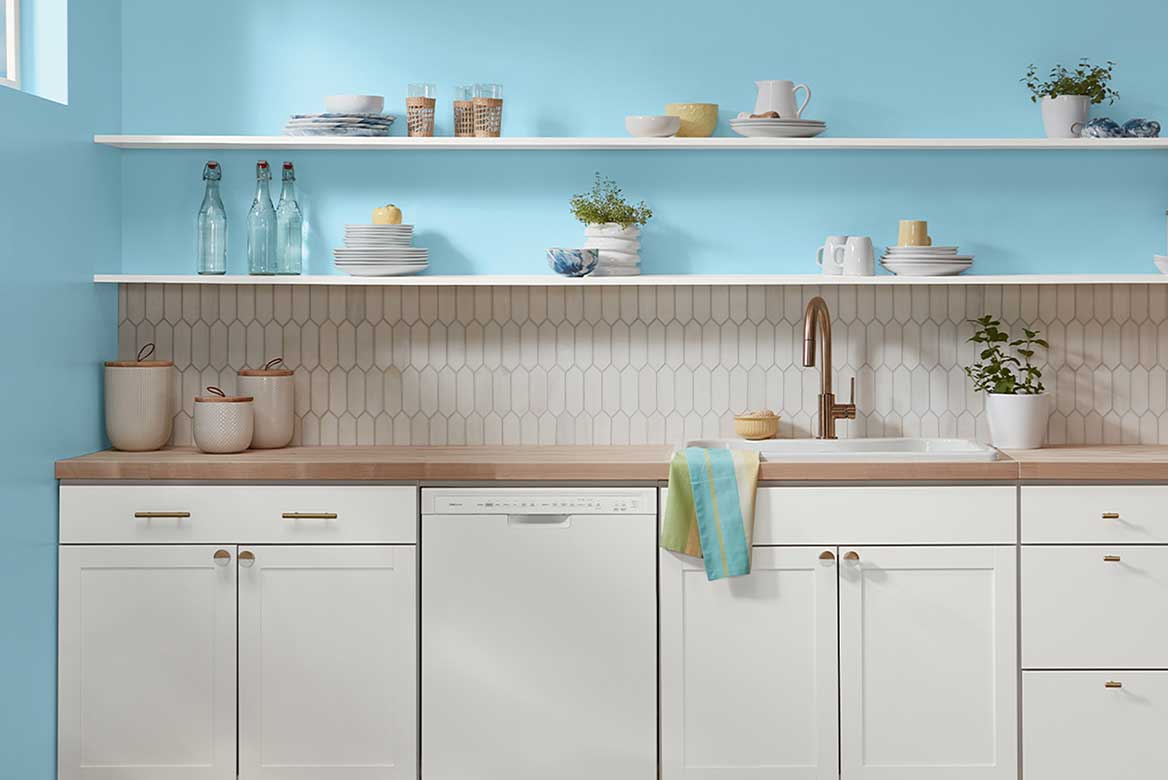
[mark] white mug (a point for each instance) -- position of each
(779, 96)
(857, 258)
(826, 255)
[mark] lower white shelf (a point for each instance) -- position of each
(646, 280)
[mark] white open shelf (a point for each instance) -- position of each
(550, 280)
(552, 144)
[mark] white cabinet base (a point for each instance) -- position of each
(749, 669)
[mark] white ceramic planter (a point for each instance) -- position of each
(274, 406)
(139, 404)
(223, 424)
(1065, 116)
(1018, 422)
(619, 247)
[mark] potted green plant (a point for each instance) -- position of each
(1066, 96)
(612, 225)
(1017, 403)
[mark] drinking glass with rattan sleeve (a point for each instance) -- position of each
(464, 111)
(420, 104)
(488, 110)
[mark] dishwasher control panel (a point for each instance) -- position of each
(466, 501)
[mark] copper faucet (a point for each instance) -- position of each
(829, 410)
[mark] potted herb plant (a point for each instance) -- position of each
(1066, 96)
(1017, 403)
(612, 225)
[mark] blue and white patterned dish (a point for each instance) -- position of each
(1142, 128)
(573, 262)
(339, 124)
(1106, 127)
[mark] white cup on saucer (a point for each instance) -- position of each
(858, 258)
(827, 258)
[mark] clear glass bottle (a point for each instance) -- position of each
(289, 226)
(211, 225)
(261, 226)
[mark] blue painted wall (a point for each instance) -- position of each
(59, 220)
(893, 68)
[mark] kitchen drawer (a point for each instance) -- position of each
(1075, 727)
(1081, 609)
(1125, 514)
(222, 514)
(886, 515)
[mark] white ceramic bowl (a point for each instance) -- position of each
(274, 392)
(652, 126)
(139, 407)
(223, 425)
(354, 104)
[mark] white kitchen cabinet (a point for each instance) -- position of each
(327, 662)
(749, 668)
(147, 663)
(928, 669)
(1091, 725)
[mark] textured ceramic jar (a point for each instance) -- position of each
(139, 404)
(275, 409)
(223, 424)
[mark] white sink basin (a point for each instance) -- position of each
(858, 449)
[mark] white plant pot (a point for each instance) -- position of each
(1065, 116)
(1018, 422)
(619, 248)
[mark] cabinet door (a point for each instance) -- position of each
(928, 672)
(749, 668)
(328, 662)
(146, 663)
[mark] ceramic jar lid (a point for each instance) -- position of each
(269, 369)
(142, 360)
(217, 396)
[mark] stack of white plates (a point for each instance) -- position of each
(777, 128)
(925, 260)
(339, 124)
(381, 250)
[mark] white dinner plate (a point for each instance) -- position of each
(781, 131)
(803, 122)
(385, 270)
(929, 259)
(926, 269)
(371, 243)
(921, 249)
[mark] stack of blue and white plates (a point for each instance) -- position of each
(339, 124)
(381, 250)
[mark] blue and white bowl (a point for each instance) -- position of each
(573, 262)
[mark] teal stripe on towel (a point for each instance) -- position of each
(733, 533)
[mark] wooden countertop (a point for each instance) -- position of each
(635, 463)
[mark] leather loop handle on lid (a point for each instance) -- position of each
(273, 363)
(145, 352)
(216, 391)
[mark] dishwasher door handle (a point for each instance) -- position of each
(539, 521)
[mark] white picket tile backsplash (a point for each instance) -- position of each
(562, 365)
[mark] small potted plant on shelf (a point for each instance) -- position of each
(1066, 96)
(612, 225)
(1017, 403)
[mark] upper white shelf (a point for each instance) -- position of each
(648, 280)
(552, 144)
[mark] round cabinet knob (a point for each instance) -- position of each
(827, 555)
(852, 556)
(247, 559)
(222, 557)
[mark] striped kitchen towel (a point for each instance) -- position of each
(710, 509)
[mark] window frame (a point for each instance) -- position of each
(11, 76)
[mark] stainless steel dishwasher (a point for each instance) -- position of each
(539, 634)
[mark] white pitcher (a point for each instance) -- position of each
(779, 96)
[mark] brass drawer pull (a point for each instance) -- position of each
(310, 515)
(1111, 515)
(1111, 558)
(1112, 684)
(157, 515)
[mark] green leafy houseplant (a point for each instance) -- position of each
(606, 203)
(1087, 80)
(996, 369)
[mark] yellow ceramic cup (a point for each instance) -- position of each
(698, 120)
(914, 232)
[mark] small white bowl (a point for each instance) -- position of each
(652, 126)
(354, 104)
(1161, 263)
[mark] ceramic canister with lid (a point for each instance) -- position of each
(223, 423)
(275, 410)
(139, 402)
